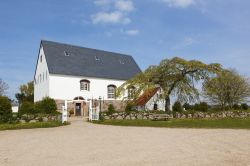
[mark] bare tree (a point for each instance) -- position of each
(3, 87)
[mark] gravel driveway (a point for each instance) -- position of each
(83, 143)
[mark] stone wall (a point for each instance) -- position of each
(118, 104)
(196, 115)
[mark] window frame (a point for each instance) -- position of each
(84, 85)
(111, 93)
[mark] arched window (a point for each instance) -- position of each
(131, 92)
(111, 91)
(85, 85)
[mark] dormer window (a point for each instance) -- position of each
(97, 58)
(66, 53)
(111, 91)
(85, 85)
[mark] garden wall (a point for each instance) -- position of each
(184, 115)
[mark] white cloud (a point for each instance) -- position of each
(110, 17)
(119, 14)
(123, 5)
(132, 32)
(179, 3)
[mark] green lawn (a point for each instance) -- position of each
(16, 126)
(229, 123)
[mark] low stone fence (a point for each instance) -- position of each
(184, 115)
(37, 118)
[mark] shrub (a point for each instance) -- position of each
(111, 109)
(5, 109)
(187, 106)
(177, 107)
(203, 106)
(244, 106)
(236, 107)
(27, 108)
(129, 107)
(47, 106)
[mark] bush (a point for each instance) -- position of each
(203, 107)
(129, 108)
(187, 106)
(244, 106)
(111, 109)
(27, 108)
(177, 107)
(47, 106)
(5, 109)
(236, 107)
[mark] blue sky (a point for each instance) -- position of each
(149, 30)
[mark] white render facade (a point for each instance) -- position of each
(78, 74)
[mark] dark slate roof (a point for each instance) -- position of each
(84, 62)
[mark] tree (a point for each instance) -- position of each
(227, 89)
(175, 76)
(3, 87)
(46, 105)
(26, 93)
(177, 107)
(5, 109)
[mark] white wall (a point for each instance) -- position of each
(155, 99)
(14, 109)
(67, 87)
(41, 85)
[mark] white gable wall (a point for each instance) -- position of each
(149, 106)
(41, 82)
(64, 87)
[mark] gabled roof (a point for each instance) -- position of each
(146, 96)
(72, 60)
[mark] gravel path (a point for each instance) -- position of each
(82, 143)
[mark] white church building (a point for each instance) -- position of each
(77, 74)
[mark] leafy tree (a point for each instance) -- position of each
(175, 76)
(227, 89)
(5, 109)
(26, 93)
(3, 87)
(177, 107)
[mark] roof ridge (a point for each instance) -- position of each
(71, 45)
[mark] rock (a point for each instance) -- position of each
(33, 121)
(22, 121)
(45, 119)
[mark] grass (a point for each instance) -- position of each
(15, 126)
(226, 123)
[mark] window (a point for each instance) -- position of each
(84, 85)
(111, 91)
(41, 58)
(66, 53)
(97, 58)
(131, 92)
